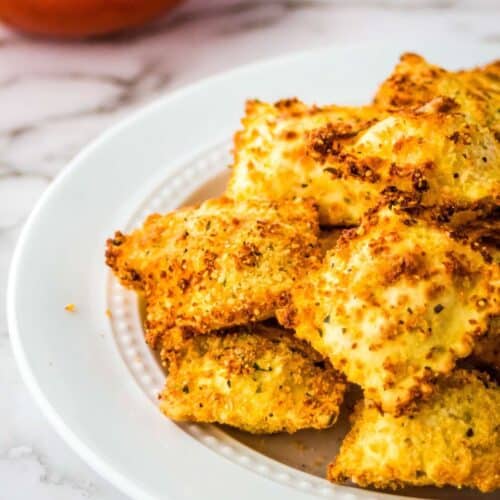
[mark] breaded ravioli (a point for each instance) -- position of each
(432, 157)
(273, 160)
(220, 264)
(452, 439)
(259, 379)
(415, 81)
(395, 304)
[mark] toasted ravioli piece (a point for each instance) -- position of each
(452, 439)
(415, 82)
(259, 379)
(220, 264)
(430, 157)
(272, 157)
(394, 305)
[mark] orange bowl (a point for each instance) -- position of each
(80, 18)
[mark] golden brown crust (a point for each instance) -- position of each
(259, 379)
(272, 157)
(394, 305)
(217, 265)
(474, 93)
(432, 157)
(415, 81)
(452, 439)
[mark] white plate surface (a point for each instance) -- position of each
(92, 375)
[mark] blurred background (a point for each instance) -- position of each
(60, 86)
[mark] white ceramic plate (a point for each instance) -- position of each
(93, 376)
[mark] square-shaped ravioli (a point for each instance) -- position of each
(276, 156)
(258, 378)
(452, 439)
(351, 159)
(220, 264)
(395, 304)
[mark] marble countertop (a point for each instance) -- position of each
(57, 96)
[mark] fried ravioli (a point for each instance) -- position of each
(452, 439)
(217, 265)
(259, 379)
(430, 157)
(394, 305)
(415, 81)
(273, 160)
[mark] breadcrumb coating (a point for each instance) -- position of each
(220, 264)
(394, 305)
(431, 156)
(452, 439)
(415, 81)
(260, 379)
(273, 160)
